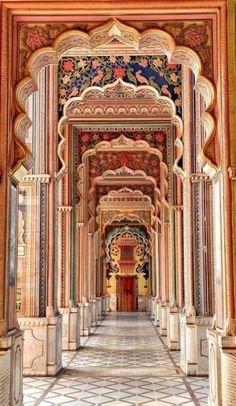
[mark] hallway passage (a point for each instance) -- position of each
(125, 362)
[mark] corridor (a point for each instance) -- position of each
(125, 362)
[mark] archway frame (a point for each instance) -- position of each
(155, 40)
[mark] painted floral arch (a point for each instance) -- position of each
(103, 39)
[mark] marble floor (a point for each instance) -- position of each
(124, 362)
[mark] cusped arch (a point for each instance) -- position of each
(119, 231)
(155, 40)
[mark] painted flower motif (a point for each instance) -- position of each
(143, 62)
(159, 137)
(178, 102)
(126, 58)
(112, 59)
(65, 79)
(157, 62)
(194, 37)
(95, 137)
(82, 63)
(177, 90)
(74, 91)
(171, 66)
(106, 136)
(62, 100)
(62, 92)
(68, 66)
(174, 77)
(138, 136)
(119, 72)
(96, 63)
(36, 39)
(149, 137)
(85, 137)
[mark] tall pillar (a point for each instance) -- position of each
(83, 269)
(11, 343)
(222, 335)
(42, 325)
(68, 309)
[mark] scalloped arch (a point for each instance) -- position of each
(155, 40)
(120, 231)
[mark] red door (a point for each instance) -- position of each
(127, 294)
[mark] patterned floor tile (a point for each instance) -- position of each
(125, 362)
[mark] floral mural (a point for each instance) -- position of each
(104, 160)
(76, 74)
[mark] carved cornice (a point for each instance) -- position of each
(41, 178)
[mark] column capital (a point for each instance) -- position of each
(62, 209)
(177, 207)
(79, 225)
(198, 177)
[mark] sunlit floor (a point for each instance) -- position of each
(125, 362)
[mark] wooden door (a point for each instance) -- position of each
(127, 294)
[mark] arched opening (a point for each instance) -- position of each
(121, 149)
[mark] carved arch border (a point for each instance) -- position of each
(123, 230)
(121, 176)
(121, 143)
(153, 40)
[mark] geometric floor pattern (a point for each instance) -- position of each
(124, 362)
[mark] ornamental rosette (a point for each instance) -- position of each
(36, 39)
(194, 37)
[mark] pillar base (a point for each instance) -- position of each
(149, 305)
(153, 308)
(173, 336)
(93, 312)
(158, 312)
(70, 328)
(107, 303)
(163, 320)
(85, 318)
(156, 319)
(11, 369)
(104, 306)
(99, 308)
(42, 345)
(194, 346)
(222, 369)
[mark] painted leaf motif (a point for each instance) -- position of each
(154, 84)
(131, 76)
(107, 77)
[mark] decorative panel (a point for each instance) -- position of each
(75, 74)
